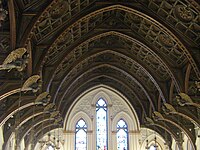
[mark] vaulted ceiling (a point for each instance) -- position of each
(148, 50)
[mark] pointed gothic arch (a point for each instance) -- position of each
(117, 108)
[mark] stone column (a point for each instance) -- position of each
(22, 145)
(197, 130)
(1, 139)
(114, 140)
(90, 140)
(134, 140)
(69, 137)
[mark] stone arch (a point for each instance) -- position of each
(84, 108)
(131, 123)
(102, 94)
(74, 119)
(151, 137)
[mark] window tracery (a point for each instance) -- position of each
(103, 111)
(81, 135)
(102, 124)
(50, 147)
(122, 135)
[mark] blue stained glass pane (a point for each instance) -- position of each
(101, 117)
(101, 102)
(81, 135)
(121, 124)
(152, 148)
(50, 148)
(122, 136)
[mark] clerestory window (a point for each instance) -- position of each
(81, 135)
(101, 125)
(122, 135)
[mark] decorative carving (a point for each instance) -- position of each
(153, 33)
(4, 44)
(58, 120)
(17, 59)
(49, 108)
(42, 24)
(183, 99)
(3, 13)
(116, 107)
(149, 121)
(54, 114)
(63, 42)
(166, 40)
(56, 15)
(197, 83)
(60, 8)
(157, 116)
(65, 39)
(136, 19)
(167, 108)
(33, 84)
(43, 98)
(168, 11)
(196, 27)
(119, 60)
(183, 13)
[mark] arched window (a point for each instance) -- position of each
(122, 135)
(106, 114)
(81, 135)
(50, 147)
(189, 145)
(101, 125)
(152, 148)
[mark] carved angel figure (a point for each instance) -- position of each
(17, 59)
(183, 99)
(149, 121)
(43, 98)
(167, 108)
(50, 108)
(197, 83)
(157, 116)
(33, 84)
(55, 114)
(58, 120)
(3, 13)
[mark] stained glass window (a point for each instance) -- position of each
(81, 135)
(122, 135)
(152, 148)
(101, 122)
(50, 147)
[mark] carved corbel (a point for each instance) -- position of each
(197, 83)
(184, 99)
(3, 13)
(168, 108)
(49, 108)
(17, 59)
(55, 114)
(58, 121)
(157, 116)
(43, 98)
(33, 84)
(149, 121)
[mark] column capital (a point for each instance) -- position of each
(68, 131)
(134, 132)
(90, 131)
